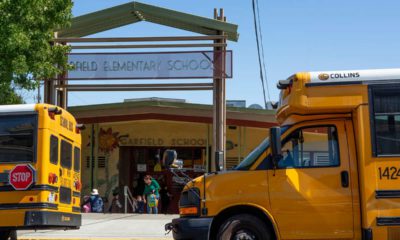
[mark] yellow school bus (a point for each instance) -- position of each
(40, 161)
(331, 170)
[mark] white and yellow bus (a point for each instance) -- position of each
(331, 170)
(40, 164)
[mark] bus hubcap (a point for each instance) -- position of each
(244, 235)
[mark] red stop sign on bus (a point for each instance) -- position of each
(21, 177)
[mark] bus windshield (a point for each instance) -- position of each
(17, 138)
(256, 153)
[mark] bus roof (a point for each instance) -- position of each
(355, 75)
(17, 108)
(329, 92)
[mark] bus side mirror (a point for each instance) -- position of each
(169, 158)
(275, 143)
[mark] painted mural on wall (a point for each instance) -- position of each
(108, 142)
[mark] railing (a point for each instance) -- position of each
(128, 199)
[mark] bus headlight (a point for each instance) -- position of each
(189, 203)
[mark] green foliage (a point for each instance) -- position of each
(8, 95)
(26, 30)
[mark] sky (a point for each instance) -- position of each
(306, 35)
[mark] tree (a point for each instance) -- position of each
(9, 96)
(26, 53)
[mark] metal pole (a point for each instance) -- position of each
(126, 199)
(91, 159)
(49, 92)
(62, 95)
(48, 87)
(219, 108)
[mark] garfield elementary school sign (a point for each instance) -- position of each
(150, 65)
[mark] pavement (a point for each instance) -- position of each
(109, 226)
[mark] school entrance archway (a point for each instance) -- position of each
(214, 35)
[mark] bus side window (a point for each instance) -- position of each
(311, 147)
(77, 159)
(54, 149)
(66, 154)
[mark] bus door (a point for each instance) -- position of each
(76, 184)
(310, 191)
(66, 174)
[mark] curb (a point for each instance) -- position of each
(89, 238)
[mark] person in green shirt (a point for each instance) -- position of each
(151, 194)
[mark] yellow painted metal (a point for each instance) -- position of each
(312, 203)
(63, 126)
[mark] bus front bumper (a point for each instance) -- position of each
(189, 228)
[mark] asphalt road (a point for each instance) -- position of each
(109, 226)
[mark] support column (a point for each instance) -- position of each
(49, 95)
(62, 93)
(219, 106)
(48, 87)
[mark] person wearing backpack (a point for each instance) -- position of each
(96, 203)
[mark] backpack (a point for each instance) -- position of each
(97, 205)
(152, 200)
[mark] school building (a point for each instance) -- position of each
(122, 141)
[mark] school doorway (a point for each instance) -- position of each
(135, 162)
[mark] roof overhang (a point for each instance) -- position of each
(182, 112)
(134, 12)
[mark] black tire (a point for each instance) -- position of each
(243, 227)
(8, 235)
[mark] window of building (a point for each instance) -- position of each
(54, 149)
(66, 154)
(310, 147)
(88, 162)
(386, 121)
(77, 159)
(101, 162)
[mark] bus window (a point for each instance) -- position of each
(66, 154)
(77, 159)
(65, 195)
(17, 138)
(311, 147)
(386, 120)
(53, 149)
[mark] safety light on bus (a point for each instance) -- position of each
(53, 178)
(79, 127)
(77, 185)
(53, 111)
(188, 211)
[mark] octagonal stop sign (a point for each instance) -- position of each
(21, 177)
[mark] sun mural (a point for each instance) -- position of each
(108, 140)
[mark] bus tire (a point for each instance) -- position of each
(8, 235)
(244, 226)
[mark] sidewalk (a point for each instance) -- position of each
(109, 226)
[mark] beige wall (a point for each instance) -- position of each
(158, 133)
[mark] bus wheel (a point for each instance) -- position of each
(244, 227)
(8, 235)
